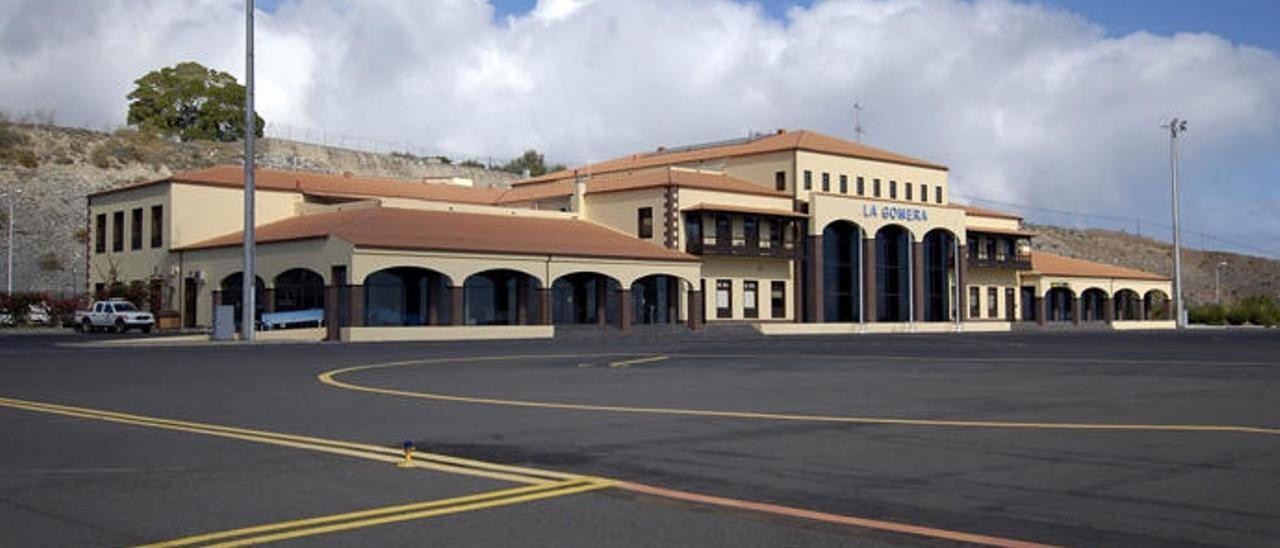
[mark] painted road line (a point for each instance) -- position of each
(362, 518)
(330, 378)
(629, 363)
(430, 461)
(880, 525)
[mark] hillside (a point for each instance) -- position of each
(56, 167)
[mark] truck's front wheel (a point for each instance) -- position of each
(121, 327)
(84, 326)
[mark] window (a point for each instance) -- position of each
(844, 184)
(808, 180)
(135, 234)
(778, 299)
(893, 190)
(100, 238)
(937, 194)
(724, 299)
(975, 307)
(644, 222)
(924, 193)
(907, 187)
(875, 187)
(99, 289)
(826, 182)
(724, 230)
(990, 245)
(1001, 250)
(751, 231)
(157, 226)
(775, 234)
(993, 310)
(750, 295)
(862, 188)
(780, 180)
(117, 231)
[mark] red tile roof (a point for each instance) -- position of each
(394, 228)
(782, 141)
(1055, 265)
(652, 178)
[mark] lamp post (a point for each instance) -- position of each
(1217, 282)
(1176, 127)
(12, 196)
(249, 283)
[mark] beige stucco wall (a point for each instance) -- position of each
(764, 271)
(870, 215)
(618, 210)
(203, 212)
(820, 163)
(985, 278)
(982, 221)
(760, 168)
(690, 197)
(131, 265)
(545, 268)
(1079, 285)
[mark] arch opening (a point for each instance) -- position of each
(406, 295)
(298, 289)
(655, 299)
(500, 297)
(582, 298)
(233, 294)
(842, 272)
(939, 264)
(1058, 304)
(1157, 305)
(1128, 306)
(1093, 305)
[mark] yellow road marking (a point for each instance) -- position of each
(431, 461)
(389, 514)
(629, 363)
(330, 378)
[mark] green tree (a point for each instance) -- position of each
(532, 161)
(191, 102)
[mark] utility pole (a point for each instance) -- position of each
(12, 196)
(1217, 282)
(857, 121)
(249, 283)
(1176, 127)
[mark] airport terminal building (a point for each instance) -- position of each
(794, 232)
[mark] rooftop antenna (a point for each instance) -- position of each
(857, 121)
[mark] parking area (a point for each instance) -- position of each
(707, 439)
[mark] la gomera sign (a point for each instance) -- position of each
(895, 213)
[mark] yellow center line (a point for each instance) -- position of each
(430, 461)
(363, 518)
(330, 378)
(629, 363)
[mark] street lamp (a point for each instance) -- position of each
(1176, 127)
(1217, 282)
(12, 196)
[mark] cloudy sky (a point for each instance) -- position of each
(1054, 104)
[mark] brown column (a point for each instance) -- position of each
(435, 294)
(355, 305)
(962, 278)
(522, 302)
(673, 301)
(269, 300)
(695, 310)
(797, 290)
(1075, 310)
(457, 308)
(1041, 310)
(624, 309)
(1108, 311)
(869, 279)
(1142, 309)
(333, 329)
(602, 296)
(813, 285)
(917, 280)
(544, 306)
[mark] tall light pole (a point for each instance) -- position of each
(248, 283)
(12, 196)
(1217, 282)
(1176, 127)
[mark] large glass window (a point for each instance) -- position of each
(135, 229)
(724, 298)
(750, 299)
(157, 226)
(751, 231)
(117, 231)
(644, 222)
(100, 235)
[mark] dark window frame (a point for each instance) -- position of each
(937, 194)
(157, 226)
(909, 196)
(100, 238)
(826, 182)
(875, 188)
(117, 231)
(725, 312)
(778, 299)
(975, 305)
(754, 287)
(808, 180)
(780, 180)
(924, 193)
(135, 229)
(844, 184)
(862, 187)
(644, 222)
(993, 302)
(893, 190)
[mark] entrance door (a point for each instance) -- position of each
(189, 302)
(1029, 304)
(1009, 308)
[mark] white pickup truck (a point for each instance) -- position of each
(116, 314)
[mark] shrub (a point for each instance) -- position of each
(18, 304)
(1211, 314)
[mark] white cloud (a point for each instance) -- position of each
(1024, 103)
